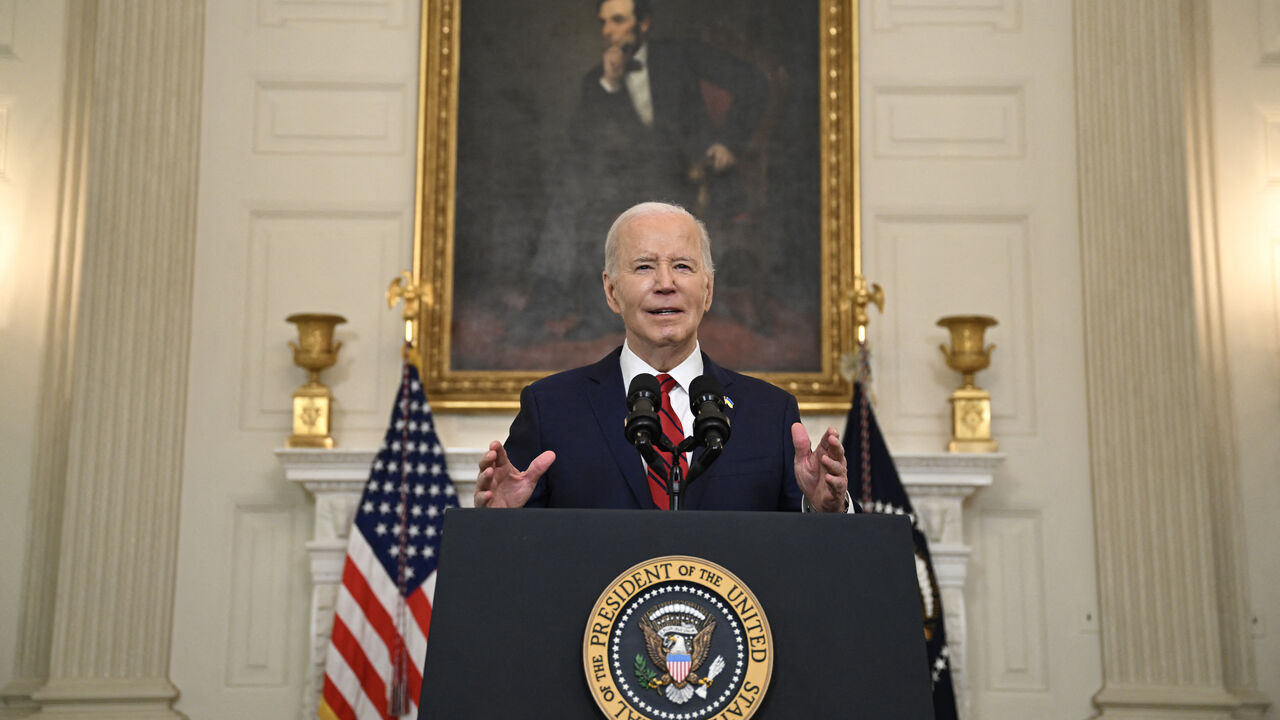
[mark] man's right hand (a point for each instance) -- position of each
(501, 485)
(615, 65)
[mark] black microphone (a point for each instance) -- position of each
(710, 426)
(644, 397)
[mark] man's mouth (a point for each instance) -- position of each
(665, 311)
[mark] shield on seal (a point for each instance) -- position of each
(678, 666)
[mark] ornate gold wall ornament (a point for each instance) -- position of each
(313, 402)
(970, 404)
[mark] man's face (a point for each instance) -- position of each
(618, 26)
(661, 288)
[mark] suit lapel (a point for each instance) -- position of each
(609, 404)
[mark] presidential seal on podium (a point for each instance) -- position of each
(677, 638)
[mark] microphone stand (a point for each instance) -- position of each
(676, 482)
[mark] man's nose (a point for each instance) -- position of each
(665, 279)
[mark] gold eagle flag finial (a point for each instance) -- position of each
(414, 295)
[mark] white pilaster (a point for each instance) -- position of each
(1154, 435)
(111, 612)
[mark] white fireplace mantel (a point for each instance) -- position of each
(938, 484)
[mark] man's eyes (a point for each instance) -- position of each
(682, 266)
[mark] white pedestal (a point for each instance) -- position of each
(938, 484)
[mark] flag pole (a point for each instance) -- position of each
(857, 369)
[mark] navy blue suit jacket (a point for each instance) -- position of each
(579, 414)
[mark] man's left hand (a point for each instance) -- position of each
(720, 157)
(821, 472)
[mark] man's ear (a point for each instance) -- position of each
(608, 293)
(711, 290)
(644, 25)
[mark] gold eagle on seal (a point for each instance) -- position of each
(664, 642)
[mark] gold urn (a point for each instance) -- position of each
(313, 402)
(970, 404)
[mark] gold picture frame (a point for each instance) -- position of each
(821, 389)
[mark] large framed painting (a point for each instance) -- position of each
(743, 112)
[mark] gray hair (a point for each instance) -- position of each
(645, 209)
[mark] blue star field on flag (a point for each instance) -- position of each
(402, 508)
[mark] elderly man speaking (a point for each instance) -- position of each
(569, 437)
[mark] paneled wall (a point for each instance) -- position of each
(969, 206)
(306, 205)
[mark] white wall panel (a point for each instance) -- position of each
(388, 13)
(998, 14)
(948, 264)
(292, 257)
(330, 117)
(1013, 571)
(261, 610)
(970, 206)
(948, 121)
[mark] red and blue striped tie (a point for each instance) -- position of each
(674, 431)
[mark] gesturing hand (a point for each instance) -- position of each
(821, 473)
(500, 484)
(614, 65)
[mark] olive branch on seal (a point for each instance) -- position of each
(644, 674)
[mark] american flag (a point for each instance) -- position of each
(374, 665)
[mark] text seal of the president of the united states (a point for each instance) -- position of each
(678, 638)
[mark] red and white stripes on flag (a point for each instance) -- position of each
(373, 669)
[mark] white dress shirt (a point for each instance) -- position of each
(683, 374)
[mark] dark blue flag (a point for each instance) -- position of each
(874, 480)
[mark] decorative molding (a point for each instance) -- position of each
(938, 483)
(330, 118)
(291, 254)
(985, 259)
(259, 622)
(8, 26)
(1013, 575)
(1269, 31)
(996, 14)
(948, 122)
(387, 13)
